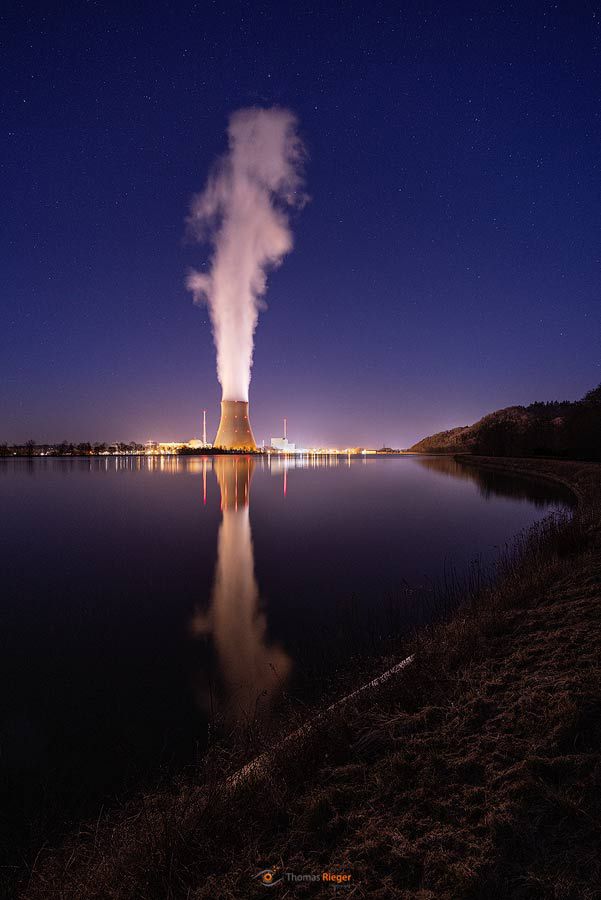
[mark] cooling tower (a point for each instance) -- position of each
(234, 432)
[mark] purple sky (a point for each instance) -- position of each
(448, 263)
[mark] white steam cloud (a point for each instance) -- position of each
(243, 211)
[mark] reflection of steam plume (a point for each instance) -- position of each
(243, 212)
(250, 669)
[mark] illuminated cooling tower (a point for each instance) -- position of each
(234, 432)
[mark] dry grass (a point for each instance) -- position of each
(475, 773)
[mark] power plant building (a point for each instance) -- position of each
(283, 445)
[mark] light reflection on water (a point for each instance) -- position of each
(144, 597)
(251, 669)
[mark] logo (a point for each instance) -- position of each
(271, 877)
(268, 877)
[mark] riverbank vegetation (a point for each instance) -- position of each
(474, 772)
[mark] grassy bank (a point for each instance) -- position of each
(474, 772)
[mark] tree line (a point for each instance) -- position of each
(570, 430)
(66, 448)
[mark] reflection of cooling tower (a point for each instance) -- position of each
(252, 670)
(234, 477)
(234, 432)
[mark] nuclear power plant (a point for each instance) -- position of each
(234, 432)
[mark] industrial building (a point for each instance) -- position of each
(282, 444)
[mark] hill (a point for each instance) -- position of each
(565, 429)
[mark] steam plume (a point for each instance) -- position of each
(243, 212)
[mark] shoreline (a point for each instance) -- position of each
(324, 784)
(267, 452)
(553, 471)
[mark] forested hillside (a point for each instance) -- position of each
(566, 429)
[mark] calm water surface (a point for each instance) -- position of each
(144, 598)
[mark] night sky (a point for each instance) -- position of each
(448, 264)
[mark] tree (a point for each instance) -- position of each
(593, 396)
